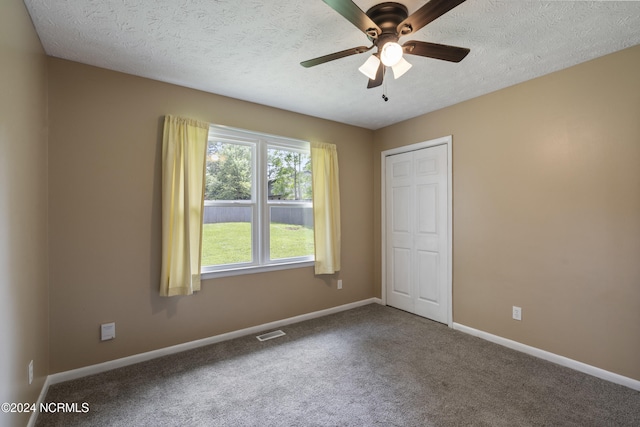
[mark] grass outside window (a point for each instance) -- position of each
(230, 242)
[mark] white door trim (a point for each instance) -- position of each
(445, 140)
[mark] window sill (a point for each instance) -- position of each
(235, 271)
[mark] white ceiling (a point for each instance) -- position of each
(251, 49)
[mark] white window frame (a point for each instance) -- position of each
(259, 203)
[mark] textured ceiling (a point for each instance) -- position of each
(251, 49)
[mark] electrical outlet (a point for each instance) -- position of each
(517, 313)
(339, 283)
(30, 372)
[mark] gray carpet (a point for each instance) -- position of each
(370, 366)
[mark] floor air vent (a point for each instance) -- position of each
(270, 335)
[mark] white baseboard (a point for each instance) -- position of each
(43, 394)
(142, 357)
(551, 357)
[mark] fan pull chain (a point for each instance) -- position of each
(384, 90)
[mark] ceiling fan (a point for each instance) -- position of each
(384, 24)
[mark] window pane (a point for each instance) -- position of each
(226, 235)
(291, 232)
(254, 220)
(288, 174)
(228, 175)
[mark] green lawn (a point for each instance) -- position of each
(230, 242)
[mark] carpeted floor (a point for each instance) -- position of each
(370, 366)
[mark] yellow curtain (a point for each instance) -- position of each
(184, 148)
(326, 207)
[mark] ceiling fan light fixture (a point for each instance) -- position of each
(391, 54)
(400, 68)
(370, 67)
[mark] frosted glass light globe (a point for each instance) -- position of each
(400, 68)
(370, 67)
(391, 54)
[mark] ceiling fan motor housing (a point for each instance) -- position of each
(387, 16)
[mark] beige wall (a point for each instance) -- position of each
(23, 210)
(105, 147)
(546, 213)
(546, 206)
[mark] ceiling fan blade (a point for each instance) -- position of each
(427, 13)
(434, 50)
(379, 77)
(350, 11)
(333, 56)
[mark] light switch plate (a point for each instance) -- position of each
(107, 331)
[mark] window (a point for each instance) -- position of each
(258, 211)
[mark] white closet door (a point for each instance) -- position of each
(417, 241)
